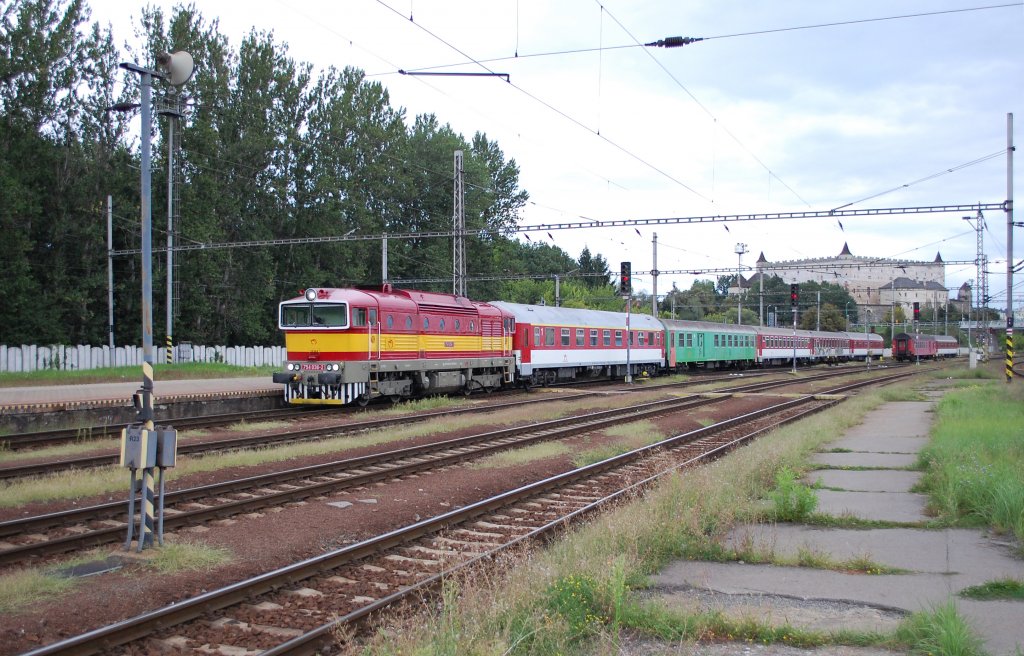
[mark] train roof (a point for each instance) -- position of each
(560, 316)
(686, 324)
(387, 297)
(926, 337)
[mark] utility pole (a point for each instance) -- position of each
(981, 263)
(173, 113)
(740, 250)
(1009, 248)
(654, 276)
(459, 219)
(110, 269)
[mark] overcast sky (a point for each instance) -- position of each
(757, 117)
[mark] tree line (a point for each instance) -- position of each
(267, 150)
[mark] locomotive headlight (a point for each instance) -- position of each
(291, 367)
(311, 294)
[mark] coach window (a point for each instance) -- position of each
(549, 337)
(716, 340)
(536, 336)
(640, 338)
(631, 338)
(358, 316)
(565, 336)
(607, 336)
(580, 337)
(593, 338)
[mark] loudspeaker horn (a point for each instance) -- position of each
(179, 66)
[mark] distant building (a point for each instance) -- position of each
(876, 284)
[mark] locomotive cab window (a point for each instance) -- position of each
(373, 317)
(358, 317)
(327, 315)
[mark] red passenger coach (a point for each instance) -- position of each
(559, 344)
(349, 345)
(914, 346)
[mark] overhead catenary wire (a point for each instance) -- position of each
(707, 111)
(560, 112)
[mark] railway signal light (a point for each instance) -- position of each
(794, 294)
(626, 278)
(917, 311)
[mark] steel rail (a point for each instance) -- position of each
(141, 626)
(292, 435)
(479, 444)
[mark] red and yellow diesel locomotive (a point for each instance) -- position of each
(348, 345)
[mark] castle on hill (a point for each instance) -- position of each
(876, 284)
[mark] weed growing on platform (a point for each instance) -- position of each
(792, 500)
(1001, 589)
(940, 630)
(974, 465)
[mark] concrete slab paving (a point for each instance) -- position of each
(899, 419)
(880, 444)
(940, 563)
(999, 623)
(881, 506)
(964, 553)
(862, 459)
(864, 481)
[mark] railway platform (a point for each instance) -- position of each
(49, 406)
(933, 564)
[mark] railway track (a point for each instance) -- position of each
(299, 609)
(79, 528)
(290, 435)
(79, 434)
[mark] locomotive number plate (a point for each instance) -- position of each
(313, 367)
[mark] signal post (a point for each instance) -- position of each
(626, 289)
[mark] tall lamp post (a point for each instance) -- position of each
(740, 250)
(142, 446)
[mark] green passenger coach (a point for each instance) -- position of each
(693, 344)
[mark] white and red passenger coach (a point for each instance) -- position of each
(558, 344)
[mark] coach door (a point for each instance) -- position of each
(700, 348)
